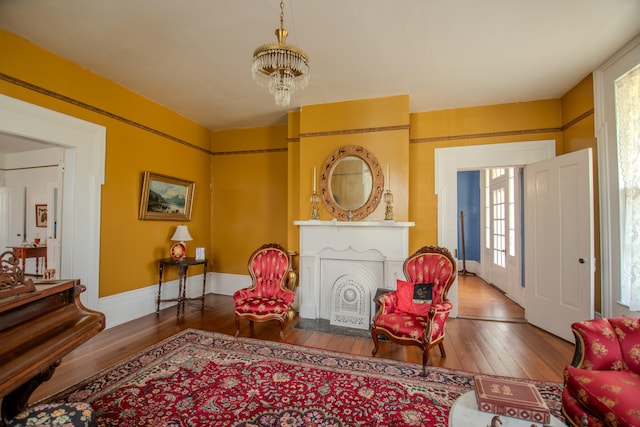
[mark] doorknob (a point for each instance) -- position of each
(581, 260)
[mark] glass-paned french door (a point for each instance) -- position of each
(501, 230)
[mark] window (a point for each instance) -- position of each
(617, 117)
(627, 99)
(500, 214)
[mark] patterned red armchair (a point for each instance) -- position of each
(603, 381)
(268, 298)
(416, 313)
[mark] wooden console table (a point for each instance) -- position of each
(37, 252)
(182, 264)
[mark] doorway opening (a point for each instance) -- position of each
(448, 161)
(84, 144)
(489, 202)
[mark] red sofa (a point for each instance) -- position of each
(603, 380)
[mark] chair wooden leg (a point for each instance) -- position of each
(375, 342)
(442, 352)
(251, 331)
(237, 326)
(425, 359)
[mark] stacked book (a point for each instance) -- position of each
(511, 399)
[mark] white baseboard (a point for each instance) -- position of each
(127, 306)
(472, 266)
(227, 284)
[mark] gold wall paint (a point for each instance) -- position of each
(249, 170)
(129, 248)
(381, 125)
(579, 133)
(492, 124)
(258, 181)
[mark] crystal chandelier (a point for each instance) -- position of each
(281, 67)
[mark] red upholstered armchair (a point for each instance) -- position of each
(268, 298)
(603, 381)
(416, 313)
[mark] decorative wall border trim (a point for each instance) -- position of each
(265, 150)
(484, 135)
(578, 119)
(97, 110)
(354, 131)
(506, 133)
(113, 116)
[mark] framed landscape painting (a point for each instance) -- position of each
(165, 197)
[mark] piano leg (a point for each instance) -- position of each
(18, 400)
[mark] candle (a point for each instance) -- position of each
(314, 179)
(388, 178)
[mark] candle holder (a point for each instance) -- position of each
(315, 213)
(388, 199)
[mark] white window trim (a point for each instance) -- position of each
(605, 130)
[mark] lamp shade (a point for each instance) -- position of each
(181, 234)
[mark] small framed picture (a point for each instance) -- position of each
(41, 215)
(165, 197)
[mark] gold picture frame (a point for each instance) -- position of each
(165, 198)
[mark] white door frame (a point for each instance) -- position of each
(84, 144)
(447, 163)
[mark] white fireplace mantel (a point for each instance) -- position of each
(369, 253)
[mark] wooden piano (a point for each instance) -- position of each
(39, 323)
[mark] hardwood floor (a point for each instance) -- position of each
(513, 349)
(481, 301)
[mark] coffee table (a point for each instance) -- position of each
(465, 413)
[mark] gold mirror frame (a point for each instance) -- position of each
(377, 187)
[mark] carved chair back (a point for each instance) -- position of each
(432, 264)
(269, 267)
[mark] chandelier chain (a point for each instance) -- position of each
(281, 14)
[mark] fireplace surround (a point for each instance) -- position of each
(343, 263)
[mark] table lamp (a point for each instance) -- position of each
(179, 249)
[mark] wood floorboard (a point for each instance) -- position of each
(490, 347)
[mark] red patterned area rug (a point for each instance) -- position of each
(198, 378)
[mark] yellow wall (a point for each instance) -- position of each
(251, 184)
(579, 133)
(493, 124)
(380, 125)
(129, 247)
(249, 194)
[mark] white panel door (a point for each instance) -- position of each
(11, 217)
(559, 255)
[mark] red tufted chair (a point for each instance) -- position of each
(416, 313)
(603, 381)
(268, 298)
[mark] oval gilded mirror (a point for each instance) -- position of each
(351, 183)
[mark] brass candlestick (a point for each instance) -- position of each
(315, 213)
(388, 199)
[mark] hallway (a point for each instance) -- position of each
(481, 301)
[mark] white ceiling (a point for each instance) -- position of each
(194, 56)
(18, 144)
